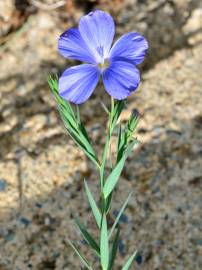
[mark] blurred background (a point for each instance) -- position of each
(42, 171)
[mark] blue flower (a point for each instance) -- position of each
(91, 43)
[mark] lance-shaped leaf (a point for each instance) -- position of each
(125, 136)
(104, 244)
(83, 259)
(80, 138)
(95, 209)
(129, 261)
(89, 239)
(108, 202)
(119, 215)
(132, 123)
(113, 178)
(73, 124)
(114, 250)
(63, 106)
(121, 144)
(118, 107)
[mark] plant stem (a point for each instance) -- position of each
(103, 163)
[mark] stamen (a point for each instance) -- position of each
(104, 65)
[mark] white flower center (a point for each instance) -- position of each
(104, 65)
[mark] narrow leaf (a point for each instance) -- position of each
(129, 261)
(84, 132)
(118, 107)
(114, 250)
(73, 123)
(110, 158)
(121, 144)
(119, 138)
(131, 126)
(89, 239)
(83, 259)
(119, 215)
(88, 146)
(104, 245)
(115, 174)
(63, 104)
(108, 202)
(95, 209)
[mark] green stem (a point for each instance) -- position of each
(106, 147)
(103, 161)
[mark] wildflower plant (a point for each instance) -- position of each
(91, 43)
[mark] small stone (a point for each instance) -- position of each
(38, 205)
(122, 247)
(198, 242)
(3, 185)
(24, 221)
(139, 259)
(9, 235)
(123, 218)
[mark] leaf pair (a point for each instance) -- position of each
(106, 260)
(130, 260)
(72, 122)
(103, 250)
(96, 211)
(112, 257)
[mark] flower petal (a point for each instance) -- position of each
(130, 47)
(71, 45)
(120, 79)
(77, 83)
(97, 29)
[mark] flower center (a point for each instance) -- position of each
(104, 65)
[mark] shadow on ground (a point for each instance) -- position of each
(162, 220)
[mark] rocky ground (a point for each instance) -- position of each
(42, 171)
